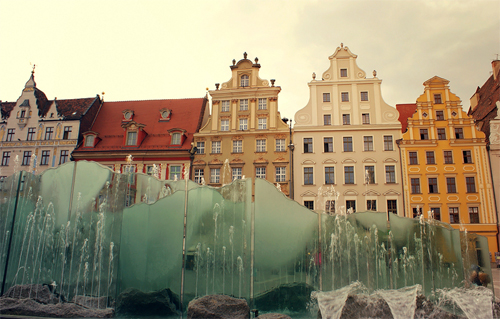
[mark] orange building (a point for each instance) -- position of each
(446, 170)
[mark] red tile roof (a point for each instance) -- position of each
(405, 112)
(187, 114)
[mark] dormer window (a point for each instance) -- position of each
(177, 136)
(128, 115)
(89, 140)
(176, 139)
(245, 80)
(131, 138)
(165, 114)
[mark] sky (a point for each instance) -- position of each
(142, 50)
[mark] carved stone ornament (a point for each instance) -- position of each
(237, 138)
(165, 114)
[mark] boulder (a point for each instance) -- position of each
(156, 303)
(218, 307)
(39, 293)
(292, 297)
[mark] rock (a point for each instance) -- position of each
(274, 316)
(29, 307)
(156, 303)
(218, 307)
(362, 306)
(293, 297)
(92, 302)
(39, 293)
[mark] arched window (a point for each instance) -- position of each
(244, 80)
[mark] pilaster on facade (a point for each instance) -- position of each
(244, 135)
(346, 142)
(445, 164)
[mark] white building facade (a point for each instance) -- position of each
(346, 157)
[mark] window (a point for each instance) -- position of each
(244, 80)
(368, 143)
(132, 138)
(370, 174)
(328, 144)
(26, 158)
(10, 134)
(441, 133)
(261, 146)
(327, 119)
(23, 113)
(262, 125)
(390, 174)
(308, 176)
(129, 169)
(349, 175)
(365, 118)
(343, 73)
(237, 146)
(347, 144)
(308, 145)
(200, 147)
(216, 149)
(451, 186)
(346, 119)
(244, 105)
(474, 215)
(330, 206)
(280, 174)
(467, 157)
(413, 158)
(350, 205)
(150, 170)
(436, 213)
(454, 217)
(224, 106)
(174, 172)
(439, 115)
(392, 206)
(49, 132)
(260, 172)
(224, 125)
(448, 157)
(429, 155)
(262, 103)
(470, 183)
(416, 211)
(364, 96)
(215, 175)
(326, 97)
(437, 99)
(345, 96)
(67, 132)
(89, 140)
(280, 145)
(31, 134)
(309, 204)
(45, 158)
(424, 134)
(388, 144)
(199, 174)
(415, 185)
(433, 185)
(244, 124)
(64, 157)
(329, 175)
(371, 204)
(459, 133)
(2, 180)
(5, 158)
(236, 173)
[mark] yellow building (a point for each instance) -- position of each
(445, 164)
(244, 135)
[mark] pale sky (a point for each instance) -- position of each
(139, 50)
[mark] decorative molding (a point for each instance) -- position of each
(414, 169)
(329, 161)
(431, 169)
(453, 198)
(371, 192)
(369, 160)
(472, 198)
(416, 198)
(308, 193)
(308, 162)
(390, 160)
(391, 192)
(434, 198)
(349, 160)
(350, 192)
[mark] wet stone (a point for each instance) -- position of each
(218, 307)
(156, 303)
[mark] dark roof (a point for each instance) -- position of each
(42, 103)
(405, 112)
(74, 109)
(486, 109)
(186, 114)
(6, 107)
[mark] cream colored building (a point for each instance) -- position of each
(244, 135)
(37, 133)
(345, 139)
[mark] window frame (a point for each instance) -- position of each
(262, 147)
(224, 125)
(327, 145)
(262, 104)
(349, 176)
(459, 133)
(225, 106)
(454, 213)
(64, 154)
(49, 132)
(26, 158)
(260, 172)
(364, 96)
(243, 104)
(344, 96)
(473, 211)
(308, 145)
(199, 175)
(278, 146)
(437, 98)
(308, 174)
(216, 146)
(262, 123)
(432, 183)
(470, 184)
(132, 138)
(440, 115)
(467, 156)
(45, 158)
(243, 124)
(31, 134)
(237, 146)
(368, 143)
(280, 174)
(370, 178)
(215, 176)
(430, 158)
(424, 134)
(236, 173)
(365, 118)
(329, 175)
(327, 119)
(67, 132)
(10, 134)
(415, 185)
(412, 157)
(244, 80)
(347, 144)
(451, 185)
(441, 133)
(390, 175)
(5, 158)
(343, 73)
(390, 208)
(447, 157)
(388, 144)
(326, 97)
(200, 147)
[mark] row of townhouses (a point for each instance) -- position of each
(348, 150)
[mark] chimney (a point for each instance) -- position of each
(496, 67)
